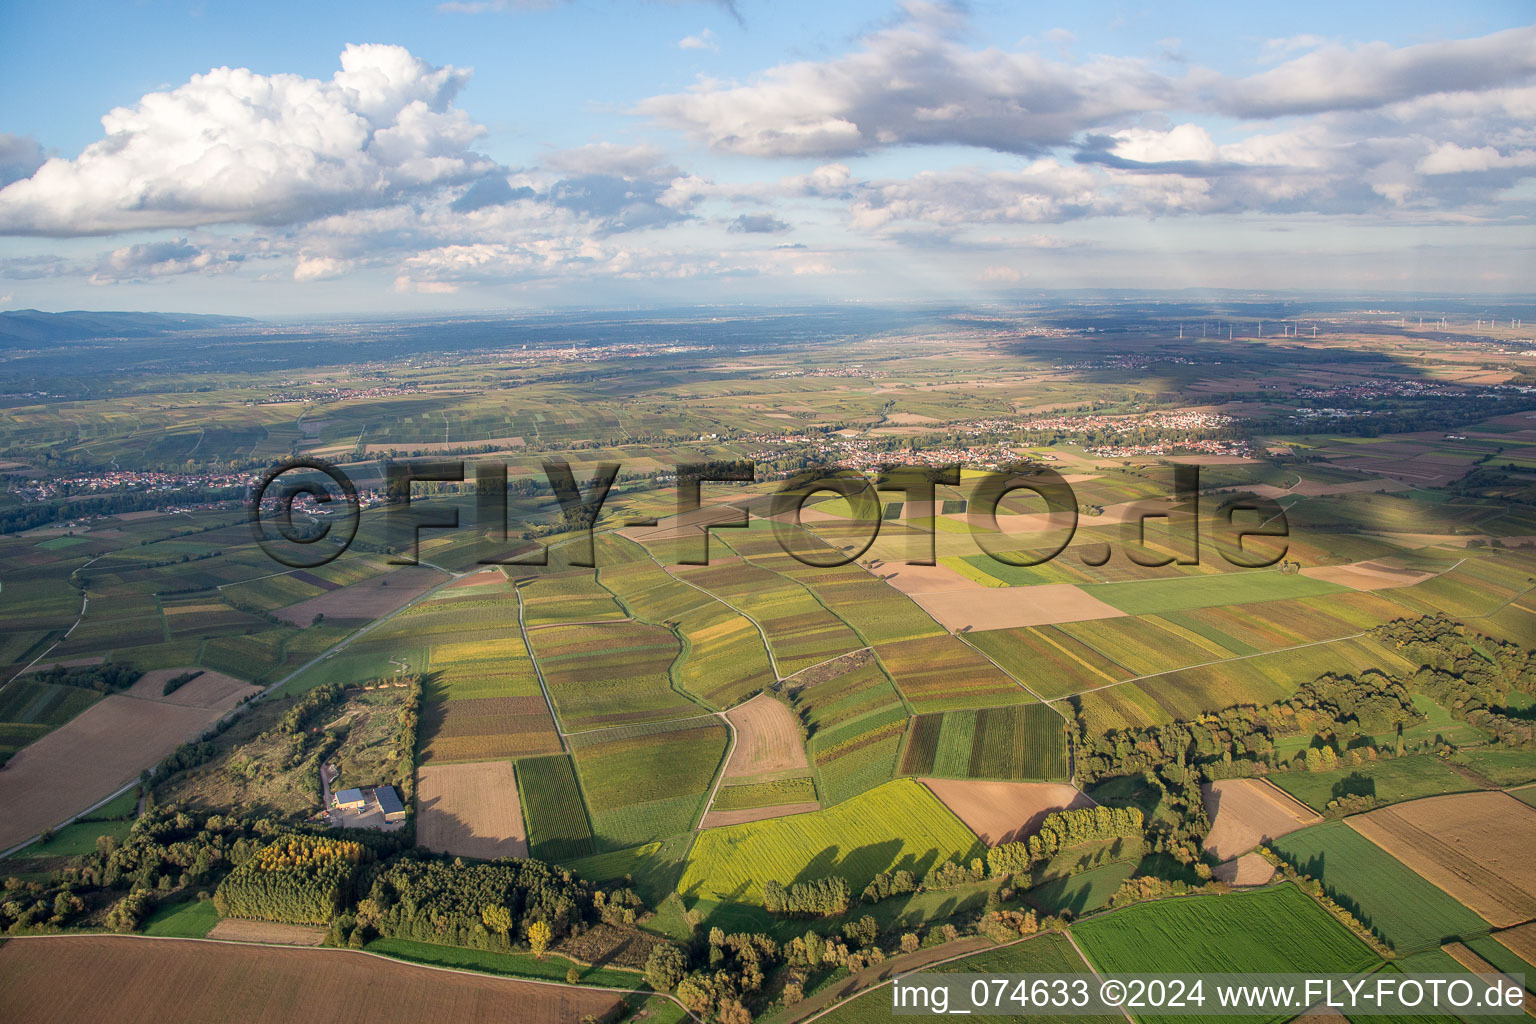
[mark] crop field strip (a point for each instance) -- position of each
(1400, 907)
(558, 826)
(944, 672)
(647, 782)
(898, 825)
(1018, 743)
(1275, 930)
(724, 657)
(611, 673)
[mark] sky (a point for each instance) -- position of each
(341, 159)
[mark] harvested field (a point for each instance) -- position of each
(151, 981)
(1005, 812)
(484, 577)
(209, 690)
(234, 929)
(921, 579)
(767, 739)
(1004, 607)
(714, 819)
(1520, 941)
(470, 810)
(1247, 812)
(370, 599)
(1249, 869)
(1475, 846)
(1366, 575)
(53, 778)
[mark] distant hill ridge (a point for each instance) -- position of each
(23, 327)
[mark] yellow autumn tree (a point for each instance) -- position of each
(538, 938)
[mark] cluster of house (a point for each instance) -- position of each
(383, 798)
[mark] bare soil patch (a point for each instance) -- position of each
(234, 929)
(1520, 941)
(90, 757)
(689, 524)
(1469, 959)
(369, 599)
(1005, 812)
(1475, 846)
(921, 579)
(1366, 575)
(1247, 812)
(213, 690)
(484, 577)
(714, 819)
(1249, 869)
(470, 810)
(767, 738)
(1005, 607)
(129, 980)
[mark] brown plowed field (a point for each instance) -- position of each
(234, 929)
(89, 757)
(1005, 812)
(1247, 812)
(1475, 846)
(1521, 941)
(1005, 607)
(209, 690)
(1249, 869)
(369, 599)
(767, 738)
(921, 579)
(484, 577)
(1366, 575)
(471, 810)
(714, 819)
(127, 980)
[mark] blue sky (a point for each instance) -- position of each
(485, 155)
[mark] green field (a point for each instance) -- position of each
(557, 820)
(1389, 781)
(898, 825)
(1275, 930)
(1014, 743)
(652, 869)
(646, 782)
(1153, 597)
(551, 967)
(1048, 661)
(1401, 908)
(1502, 767)
(765, 794)
(1049, 953)
(186, 919)
(1080, 893)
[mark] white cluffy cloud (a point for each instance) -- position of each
(235, 146)
(703, 41)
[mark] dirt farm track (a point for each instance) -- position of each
(127, 980)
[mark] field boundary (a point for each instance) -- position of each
(522, 627)
(364, 952)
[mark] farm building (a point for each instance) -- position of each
(389, 803)
(348, 800)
